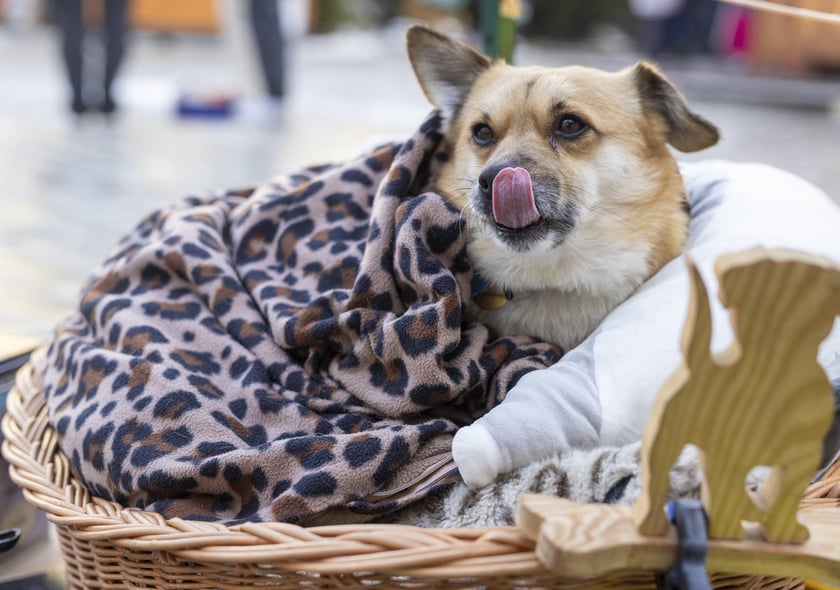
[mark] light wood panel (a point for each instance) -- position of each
(763, 401)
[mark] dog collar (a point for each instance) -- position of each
(488, 297)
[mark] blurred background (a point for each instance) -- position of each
(112, 108)
(195, 109)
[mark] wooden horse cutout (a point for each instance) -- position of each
(763, 401)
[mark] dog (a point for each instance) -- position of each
(571, 196)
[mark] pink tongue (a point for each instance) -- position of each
(513, 199)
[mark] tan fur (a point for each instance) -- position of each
(618, 178)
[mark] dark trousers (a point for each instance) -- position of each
(68, 19)
(265, 21)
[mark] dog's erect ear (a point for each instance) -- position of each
(445, 68)
(687, 131)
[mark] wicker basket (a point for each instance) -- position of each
(108, 546)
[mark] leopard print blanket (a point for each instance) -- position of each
(294, 353)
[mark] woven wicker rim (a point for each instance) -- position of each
(40, 468)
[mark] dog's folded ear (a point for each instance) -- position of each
(445, 68)
(687, 131)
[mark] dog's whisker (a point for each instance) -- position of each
(601, 211)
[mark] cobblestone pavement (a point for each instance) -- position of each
(71, 187)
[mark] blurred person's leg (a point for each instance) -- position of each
(680, 31)
(115, 31)
(689, 29)
(703, 16)
(68, 19)
(265, 19)
(651, 36)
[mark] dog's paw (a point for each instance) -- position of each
(477, 455)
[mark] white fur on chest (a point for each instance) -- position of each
(560, 318)
(561, 294)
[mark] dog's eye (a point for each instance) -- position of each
(482, 134)
(570, 126)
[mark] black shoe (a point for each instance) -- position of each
(108, 106)
(78, 106)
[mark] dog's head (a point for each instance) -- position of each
(570, 160)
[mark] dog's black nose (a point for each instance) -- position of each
(485, 179)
